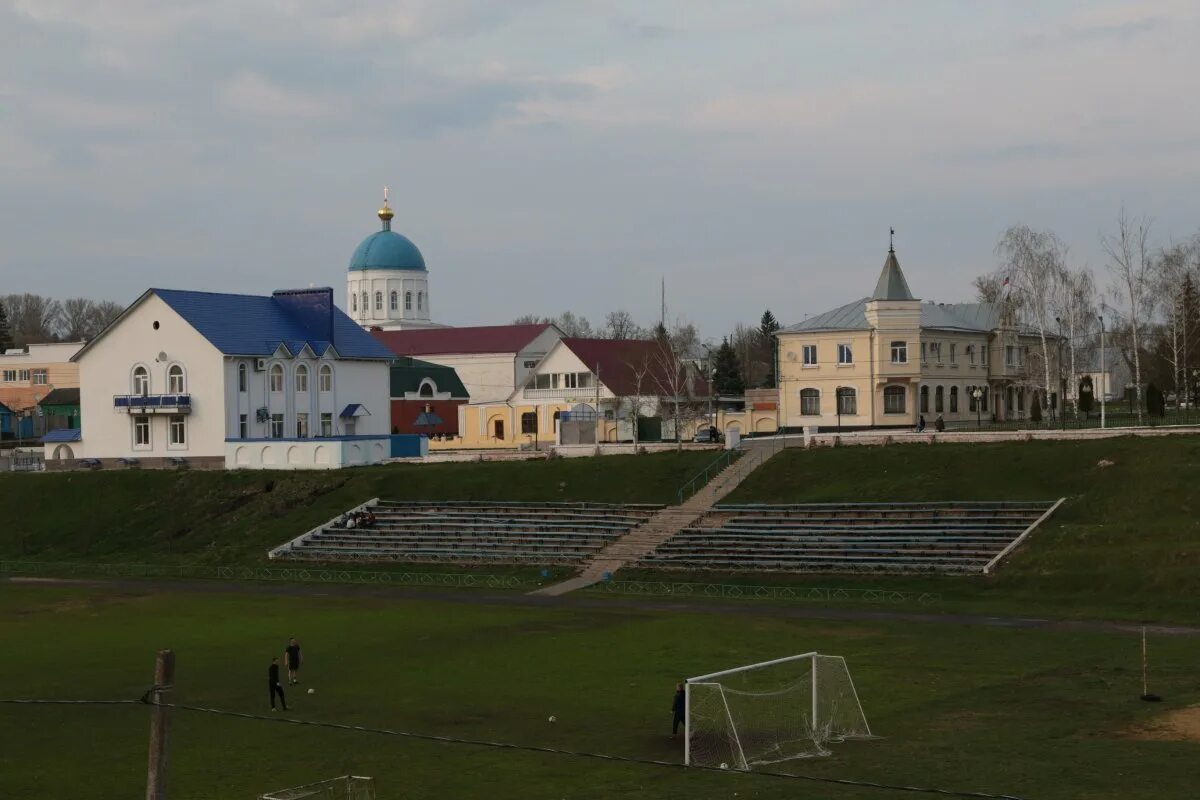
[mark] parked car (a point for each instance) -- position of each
(709, 435)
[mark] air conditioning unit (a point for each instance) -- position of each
(260, 364)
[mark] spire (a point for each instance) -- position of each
(385, 213)
(891, 284)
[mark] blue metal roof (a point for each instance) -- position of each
(387, 250)
(354, 410)
(62, 435)
(255, 325)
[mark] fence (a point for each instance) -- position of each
(712, 470)
(729, 591)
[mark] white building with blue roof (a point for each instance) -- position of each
(286, 381)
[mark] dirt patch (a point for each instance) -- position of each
(1180, 725)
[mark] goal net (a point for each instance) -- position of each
(770, 712)
(347, 787)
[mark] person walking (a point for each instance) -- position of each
(678, 708)
(292, 657)
(274, 686)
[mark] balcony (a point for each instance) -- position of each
(153, 403)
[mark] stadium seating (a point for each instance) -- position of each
(848, 537)
(476, 532)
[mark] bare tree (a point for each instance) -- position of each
(1033, 263)
(33, 319)
(1074, 305)
(639, 384)
(105, 311)
(675, 379)
(78, 319)
(621, 325)
(1131, 267)
(1170, 270)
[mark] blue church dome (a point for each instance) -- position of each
(387, 249)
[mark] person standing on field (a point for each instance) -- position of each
(678, 707)
(273, 685)
(292, 657)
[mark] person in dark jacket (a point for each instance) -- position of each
(678, 708)
(921, 423)
(274, 685)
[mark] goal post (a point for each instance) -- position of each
(769, 712)
(345, 787)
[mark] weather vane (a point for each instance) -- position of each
(891, 240)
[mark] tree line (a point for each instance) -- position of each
(27, 319)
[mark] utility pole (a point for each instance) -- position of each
(1103, 374)
(160, 725)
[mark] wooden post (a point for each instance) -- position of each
(1145, 688)
(156, 770)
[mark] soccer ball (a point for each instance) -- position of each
(724, 765)
(553, 719)
(312, 691)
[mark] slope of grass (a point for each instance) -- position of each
(1036, 714)
(234, 517)
(1126, 542)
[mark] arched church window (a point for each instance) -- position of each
(379, 301)
(395, 302)
(365, 305)
(354, 302)
(408, 301)
(420, 300)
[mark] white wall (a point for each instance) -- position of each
(308, 454)
(387, 281)
(106, 370)
(488, 377)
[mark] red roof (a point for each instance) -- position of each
(448, 341)
(619, 362)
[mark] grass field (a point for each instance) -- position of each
(1038, 714)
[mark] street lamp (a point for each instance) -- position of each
(1062, 378)
(977, 394)
(1103, 374)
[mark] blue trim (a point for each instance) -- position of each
(354, 438)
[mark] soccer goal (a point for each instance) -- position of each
(770, 712)
(347, 787)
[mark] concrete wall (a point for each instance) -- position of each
(307, 453)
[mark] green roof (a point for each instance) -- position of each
(408, 373)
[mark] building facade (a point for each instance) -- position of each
(387, 283)
(426, 398)
(889, 359)
(28, 376)
(285, 381)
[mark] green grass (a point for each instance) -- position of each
(235, 517)
(1039, 714)
(1126, 542)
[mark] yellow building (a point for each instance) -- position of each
(28, 376)
(888, 359)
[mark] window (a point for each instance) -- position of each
(10, 375)
(983, 355)
(899, 355)
(408, 301)
(302, 426)
(365, 305)
(301, 378)
(241, 377)
(177, 428)
(847, 401)
(379, 301)
(810, 355)
(893, 398)
(276, 378)
(420, 300)
(953, 399)
(426, 389)
(924, 357)
(141, 432)
(23, 375)
(1010, 356)
(939, 397)
(498, 429)
(530, 364)
(277, 426)
(40, 377)
(810, 402)
(327, 424)
(953, 356)
(924, 399)
(175, 379)
(354, 302)
(394, 302)
(935, 351)
(971, 354)
(983, 401)
(243, 426)
(845, 355)
(529, 422)
(141, 380)
(326, 378)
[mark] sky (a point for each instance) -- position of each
(548, 156)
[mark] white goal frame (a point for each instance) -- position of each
(710, 679)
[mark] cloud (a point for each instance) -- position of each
(255, 95)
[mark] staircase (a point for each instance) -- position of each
(643, 539)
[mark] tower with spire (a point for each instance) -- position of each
(895, 316)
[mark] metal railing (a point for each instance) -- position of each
(730, 591)
(710, 471)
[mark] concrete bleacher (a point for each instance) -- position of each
(953, 537)
(473, 532)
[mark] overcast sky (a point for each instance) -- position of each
(564, 155)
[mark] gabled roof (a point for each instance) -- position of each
(850, 317)
(61, 397)
(407, 374)
(258, 325)
(971, 317)
(460, 341)
(619, 362)
(891, 284)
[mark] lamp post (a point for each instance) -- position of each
(977, 395)
(1103, 374)
(1062, 378)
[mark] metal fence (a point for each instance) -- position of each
(710, 471)
(732, 591)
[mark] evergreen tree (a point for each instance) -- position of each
(727, 372)
(767, 328)
(5, 335)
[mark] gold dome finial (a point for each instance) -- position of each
(385, 213)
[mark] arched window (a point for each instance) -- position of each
(939, 399)
(427, 389)
(893, 399)
(924, 399)
(953, 399)
(276, 379)
(408, 301)
(810, 402)
(326, 378)
(175, 379)
(301, 378)
(394, 302)
(353, 301)
(141, 380)
(379, 301)
(242, 378)
(420, 300)
(365, 305)
(847, 400)
(498, 428)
